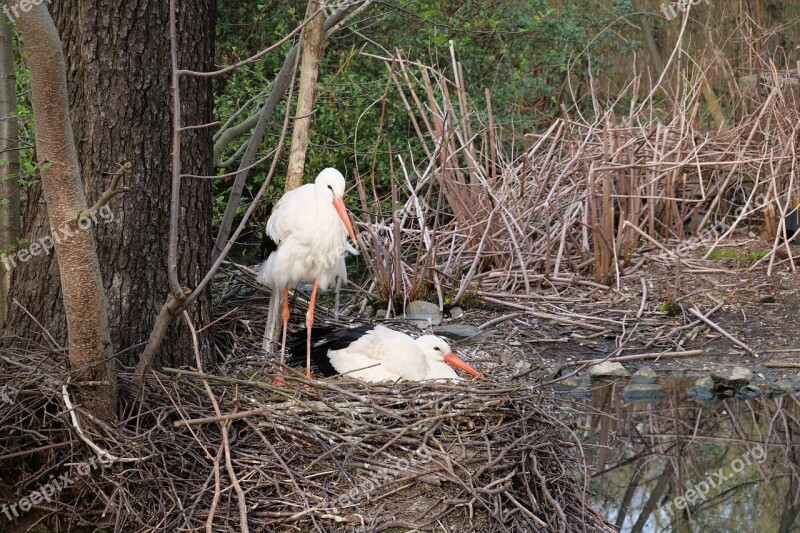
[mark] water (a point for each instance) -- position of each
(677, 465)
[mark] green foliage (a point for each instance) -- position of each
(521, 49)
(669, 307)
(27, 153)
(741, 256)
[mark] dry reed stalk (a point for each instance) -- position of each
(468, 219)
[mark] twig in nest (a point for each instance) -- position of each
(243, 524)
(104, 456)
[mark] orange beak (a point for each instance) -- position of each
(454, 360)
(338, 204)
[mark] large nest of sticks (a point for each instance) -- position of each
(197, 450)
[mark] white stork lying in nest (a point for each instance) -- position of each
(376, 353)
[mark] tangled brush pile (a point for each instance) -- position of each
(234, 452)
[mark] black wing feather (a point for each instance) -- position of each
(268, 246)
(323, 339)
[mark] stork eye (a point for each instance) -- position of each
(438, 349)
(330, 188)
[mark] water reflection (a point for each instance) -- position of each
(676, 465)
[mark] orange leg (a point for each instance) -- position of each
(285, 322)
(309, 323)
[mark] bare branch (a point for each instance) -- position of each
(235, 157)
(227, 135)
(256, 57)
(165, 317)
(111, 192)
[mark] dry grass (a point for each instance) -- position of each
(588, 200)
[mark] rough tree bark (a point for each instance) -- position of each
(119, 71)
(84, 301)
(9, 166)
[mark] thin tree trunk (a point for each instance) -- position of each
(630, 491)
(313, 35)
(647, 35)
(791, 505)
(9, 161)
(655, 497)
(714, 109)
(306, 96)
(119, 73)
(85, 306)
(790, 508)
(278, 90)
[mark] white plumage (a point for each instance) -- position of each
(310, 231)
(307, 234)
(377, 353)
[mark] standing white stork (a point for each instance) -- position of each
(376, 353)
(306, 242)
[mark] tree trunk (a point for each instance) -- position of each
(9, 161)
(119, 72)
(306, 96)
(647, 35)
(84, 299)
(262, 119)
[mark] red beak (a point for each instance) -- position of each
(338, 204)
(454, 360)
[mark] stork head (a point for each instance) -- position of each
(330, 184)
(436, 349)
